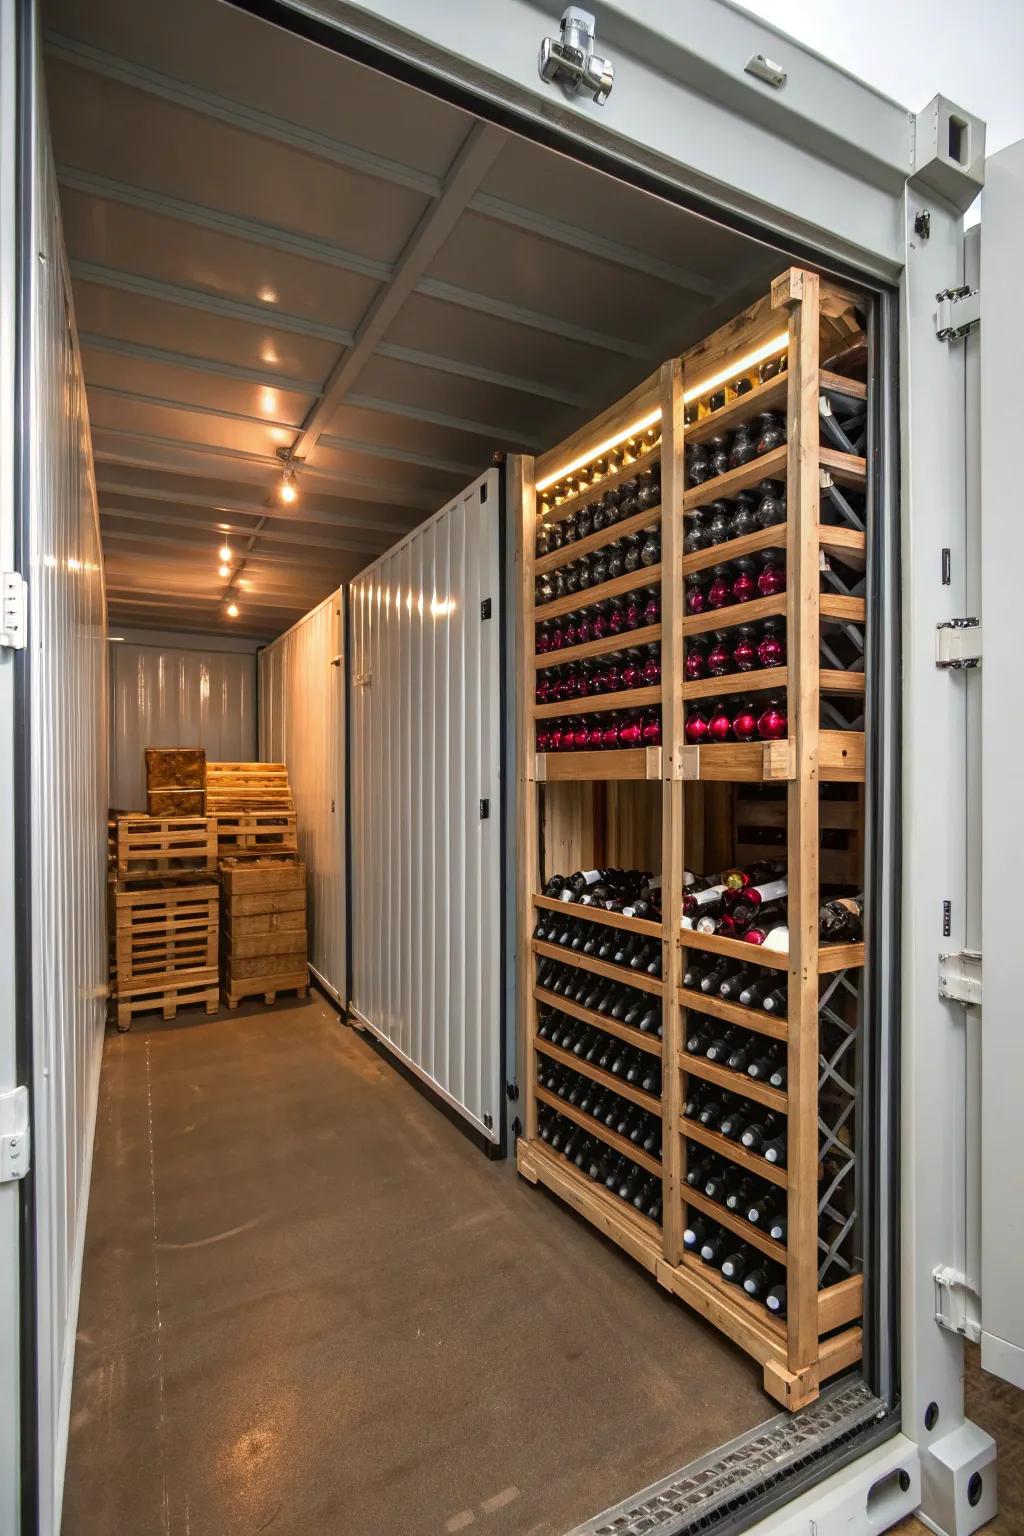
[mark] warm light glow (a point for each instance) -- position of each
(223, 570)
(73, 564)
(232, 610)
(739, 367)
(268, 400)
(599, 448)
(268, 355)
(288, 493)
(267, 295)
(440, 606)
(225, 552)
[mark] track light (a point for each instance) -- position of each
(224, 570)
(288, 490)
(225, 553)
(232, 610)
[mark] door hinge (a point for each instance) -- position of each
(960, 976)
(958, 313)
(957, 1303)
(15, 1135)
(958, 644)
(14, 597)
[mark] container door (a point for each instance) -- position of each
(1001, 345)
(425, 800)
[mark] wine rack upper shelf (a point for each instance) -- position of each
(599, 540)
(630, 581)
(609, 482)
(845, 469)
(598, 915)
(770, 396)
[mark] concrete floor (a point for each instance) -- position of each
(311, 1307)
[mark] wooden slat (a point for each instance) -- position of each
(837, 957)
(736, 949)
(638, 979)
(610, 1138)
(841, 757)
(728, 1307)
(845, 468)
(622, 763)
(630, 581)
(642, 925)
(734, 549)
(846, 544)
(734, 1153)
(837, 815)
(832, 681)
(841, 1303)
(737, 762)
(736, 1082)
(770, 466)
(647, 635)
(734, 614)
(840, 1352)
(768, 680)
(635, 1233)
(600, 703)
(649, 1043)
(836, 605)
(611, 423)
(604, 536)
(854, 388)
(522, 502)
(719, 353)
(733, 1223)
(740, 409)
(771, 1024)
(649, 1101)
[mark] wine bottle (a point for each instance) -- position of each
(762, 1130)
(841, 920)
(775, 1001)
(736, 1265)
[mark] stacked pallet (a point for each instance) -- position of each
(253, 809)
(175, 781)
(164, 915)
(263, 927)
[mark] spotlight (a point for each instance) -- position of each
(224, 570)
(225, 553)
(232, 610)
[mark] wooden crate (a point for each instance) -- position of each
(175, 768)
(290, 942)
(164, 845)
(253, 833)
(163, 927)
(246, 924)
(235, 787)
(263, 876)
(176, 802)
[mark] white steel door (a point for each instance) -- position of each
(425, 824)
(1002, 734)
(302, 723)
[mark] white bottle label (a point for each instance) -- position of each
(686, 922)
(713, 893)
(688, 879)
(628, 912)
(772, 891)
(591, 876)
(777, 938)
(565, 894)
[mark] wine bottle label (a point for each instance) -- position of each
(590, 876)
(848, 904)
(686, 922)
(712, 893)
(777, 938)
(654, 883)
(629, 912)
(565, 894)
(707, 924)
(772, 891)
(688, 879)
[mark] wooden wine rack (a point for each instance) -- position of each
(579, 809)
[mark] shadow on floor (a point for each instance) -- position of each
(311, 1306)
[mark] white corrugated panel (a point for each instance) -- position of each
(177, 696)
(68, 681)
(302, 723)
(426, 865)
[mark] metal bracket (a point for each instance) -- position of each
(959, 311)
(960, 976)
(958, 644)
(570, 61)
(957, 1303)
(15, 1135)
(14, 600)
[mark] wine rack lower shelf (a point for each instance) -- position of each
(770, 1024)
(599, 915)
(649, 1043)
(733, 1152)
(649, 1101)
(831, 957)
(737, 1224)
(611, 1139)
(734, 1082)
(618, 763)
(636, 1234)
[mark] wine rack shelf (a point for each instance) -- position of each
(649, 1101)
(596, 1127)
(660, 807)
(593, 541)
(598, 915)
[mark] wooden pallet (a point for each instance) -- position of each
(235, 990)
(164, 845)
(162, 927)
(239, 787)
(255, 833)
(179, 991)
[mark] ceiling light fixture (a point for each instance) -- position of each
(232, 610)
(225, 553)
(224, 570)
(288, 490)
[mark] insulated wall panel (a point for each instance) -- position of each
(67, 660)
(302, 723)
(167, 695)
(426, 850)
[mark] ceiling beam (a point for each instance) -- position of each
(281, 130)
(290, 540)
(324, 253)
(201, 599)
(118, 347)
(480, 149)
(268, 319)
(308, 513)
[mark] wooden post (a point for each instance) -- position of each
(672, 801)
(522, 502)
(797, 292)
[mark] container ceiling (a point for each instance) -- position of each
(274, 248)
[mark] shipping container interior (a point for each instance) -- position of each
(313, 303)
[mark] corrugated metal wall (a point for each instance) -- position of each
(302, 723)
(68, 682)
(177, 696)
(426, 866)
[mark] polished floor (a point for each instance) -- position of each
(311, 1307)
